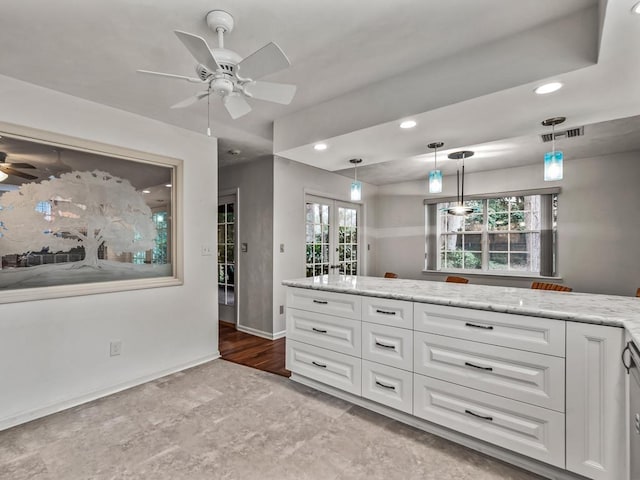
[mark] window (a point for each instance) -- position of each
(510, 234)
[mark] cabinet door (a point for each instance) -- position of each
(595, 401)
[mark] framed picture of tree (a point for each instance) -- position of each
(77, 217)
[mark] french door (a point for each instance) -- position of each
(332, 237)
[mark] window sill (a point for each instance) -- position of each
(470, 273)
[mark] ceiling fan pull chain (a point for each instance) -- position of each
(209, 112)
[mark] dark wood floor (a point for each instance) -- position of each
(256, 352)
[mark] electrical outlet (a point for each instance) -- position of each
(282, 248)
(115, 348)
(281, 309)
(206, 250)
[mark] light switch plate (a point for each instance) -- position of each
(115, 348)
(206, 250)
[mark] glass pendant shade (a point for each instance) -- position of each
(3, 176)
(435, 181)
(356, 191)
(553, 166)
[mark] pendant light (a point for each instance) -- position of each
(356, 186)
(553, 159)
(435, 175)
(460, 208)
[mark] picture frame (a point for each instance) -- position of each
(79, 217)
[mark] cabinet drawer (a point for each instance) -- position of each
(533, 334)
(388, 345)
(396, 313)
(528, 377)
(330, 303)
(532, 431)
(332, 368)
(387, 385)
(335, 333)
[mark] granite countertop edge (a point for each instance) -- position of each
(476, 305)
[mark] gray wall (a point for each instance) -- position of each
(598, 224)
(291, 181)
(255, 270)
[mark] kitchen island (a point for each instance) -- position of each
(532, 377)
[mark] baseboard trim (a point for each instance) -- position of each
(260, 333)
(499, 453)
(56, 407)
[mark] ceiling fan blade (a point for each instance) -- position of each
(199, 49)
(191, 100)
(236, 105)
(16, 173)
(269, 59)
(171, 75)
(271, 92)
(18, 165)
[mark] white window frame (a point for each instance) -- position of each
(548, 236)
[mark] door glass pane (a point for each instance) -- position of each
(317, 233)
(226, 253)
(347, 240)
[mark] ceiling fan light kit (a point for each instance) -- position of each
(229, 76)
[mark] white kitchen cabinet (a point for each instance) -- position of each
(387, 385)
(327, 331)
(329, 303)
(595, 401)
(387, 345)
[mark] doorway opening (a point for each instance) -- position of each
(227, 278)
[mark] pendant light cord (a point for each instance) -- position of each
(553, 139)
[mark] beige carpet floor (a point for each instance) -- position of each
(225, 421)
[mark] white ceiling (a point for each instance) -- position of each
(464, 69)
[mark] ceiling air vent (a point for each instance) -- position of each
(572, 132)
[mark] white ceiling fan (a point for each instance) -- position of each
(227, 74)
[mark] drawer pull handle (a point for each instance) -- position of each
(488, 369)
(469, 412)
(321, 365)
(318, 330)
(383, 345)
(390, 387)
(475, 325)
(384, 312)
(321, 302)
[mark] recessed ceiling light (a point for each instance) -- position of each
(408, 124)
(146, 191)
(320, 147)
(548, 88)
(636, 8)
(168, 185)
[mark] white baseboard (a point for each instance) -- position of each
(260, 333)
(526, 463)
(30, 415)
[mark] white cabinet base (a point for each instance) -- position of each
(494, 451)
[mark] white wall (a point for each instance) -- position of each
(597, 240)
(291, 181)
(255, 272)
(55, 353)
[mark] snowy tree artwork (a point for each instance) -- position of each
(87, 209)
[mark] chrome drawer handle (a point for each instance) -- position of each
(321, 302)
(321, 365)
(390, 387)
(488, 369)
(318, 330)
(475, 325)
(469, 412)
(392, 347)
(385, 312)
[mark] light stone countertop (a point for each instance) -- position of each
(609, 310)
